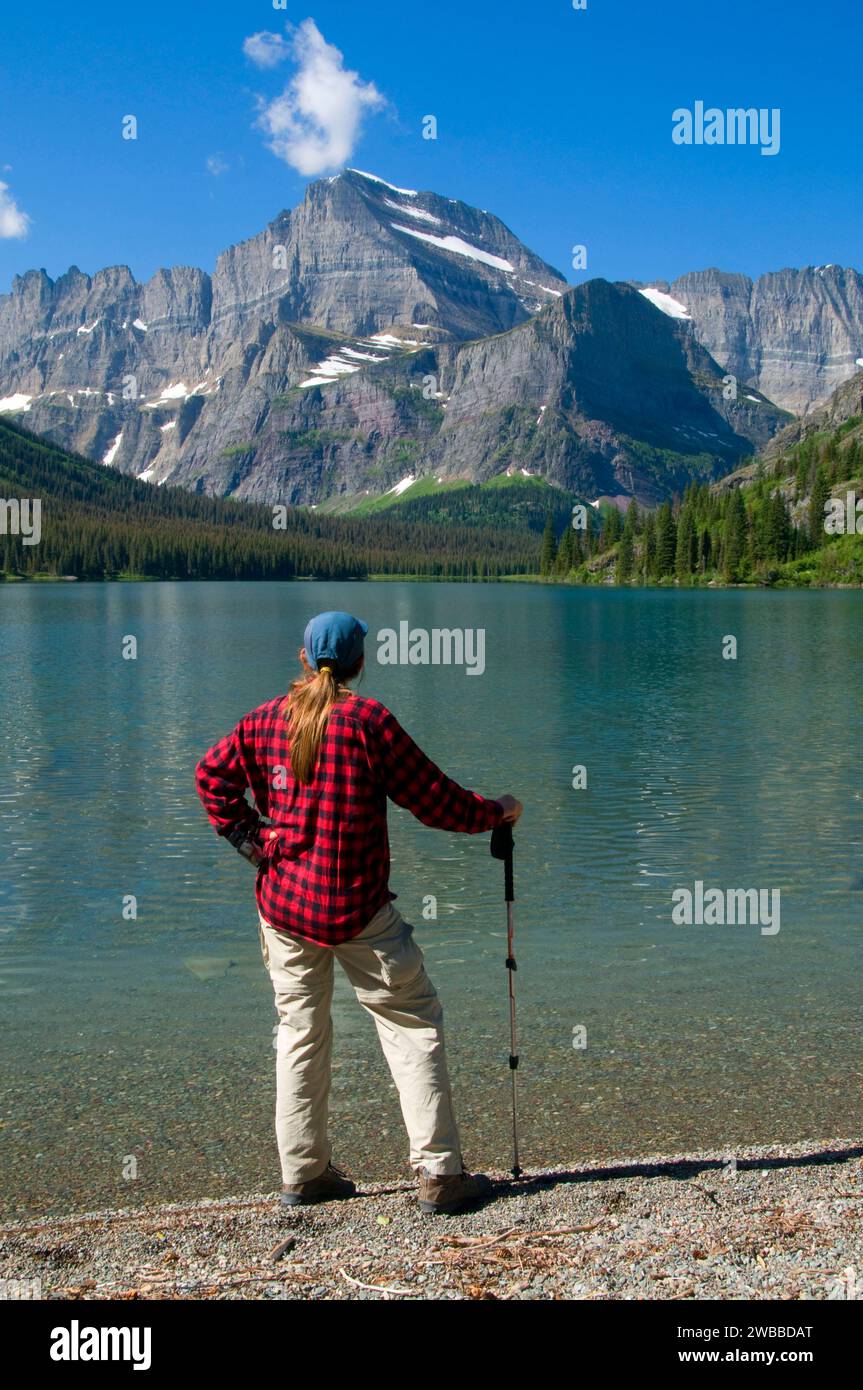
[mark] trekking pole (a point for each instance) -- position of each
(501, 848)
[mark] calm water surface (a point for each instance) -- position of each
(151, 1039)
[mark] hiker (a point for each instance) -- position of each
(320, 764)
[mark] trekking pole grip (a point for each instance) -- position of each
(501, 848)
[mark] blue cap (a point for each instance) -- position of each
(335, 637)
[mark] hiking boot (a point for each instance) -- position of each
(329, 1186)
(446, 1194)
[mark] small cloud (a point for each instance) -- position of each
(266, 50)
(315, 123)
(13, 222)
(216, 165)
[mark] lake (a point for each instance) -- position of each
(137, 1053)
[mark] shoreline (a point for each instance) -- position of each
(776, 1222)
(708, 586)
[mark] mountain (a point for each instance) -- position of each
(121, 372)
(601, 393)
(371, 335)
(359, 255)
(794, 334)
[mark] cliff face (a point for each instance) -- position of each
(794, 334)
(604, 393)
(601, 392)
(371, 334)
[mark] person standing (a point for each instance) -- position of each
(320, 763)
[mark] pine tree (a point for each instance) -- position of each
(685, 551)
(705, 550)
(666, 541)
(626, 549)
(778, 535)
(612, 527)
(817, 499)
(577, 549)
(735, 537)
(563, 563)
(648, 548)
(549, 547)
(625, 557)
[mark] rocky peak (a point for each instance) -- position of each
(793, 334)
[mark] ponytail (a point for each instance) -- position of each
(307, 711)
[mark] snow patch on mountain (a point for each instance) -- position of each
(111, 454)
(362, 356)
(545, 288)
(405, 192)
(666, 302)
(331, 368)
(391, 341)
(459, 246)
(413, 212)
(401, 487)
(329, 371)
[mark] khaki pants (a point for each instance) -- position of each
(385, 967)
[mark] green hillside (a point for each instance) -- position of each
(762, 525)
(97, 523)
(505, 502)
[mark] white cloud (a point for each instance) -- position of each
(13, 222)
(266, 50)
(217, 165)
(315, 123)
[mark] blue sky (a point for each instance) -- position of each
(557, 120)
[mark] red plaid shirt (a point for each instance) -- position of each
(327, 873)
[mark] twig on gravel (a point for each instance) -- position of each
(161, 1216)
(281, 1249)
(517, 1236)
(475, 1242)
(707, 1192)
(379, 1288)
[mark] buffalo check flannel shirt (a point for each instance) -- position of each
(327, 872)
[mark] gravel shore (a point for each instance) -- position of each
(776, 1223)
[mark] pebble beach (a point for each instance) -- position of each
(773, 1223)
